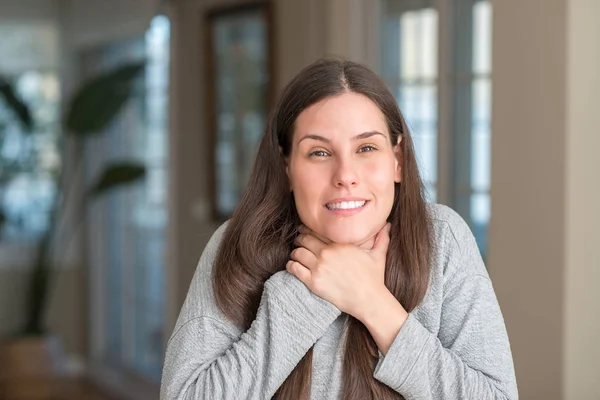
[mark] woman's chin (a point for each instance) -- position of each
(355, 238)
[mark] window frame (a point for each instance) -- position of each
(454, 142)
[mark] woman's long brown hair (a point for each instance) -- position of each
(259, 238)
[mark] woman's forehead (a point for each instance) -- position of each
(345, 116)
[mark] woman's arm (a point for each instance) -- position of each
(209, 358)
(469, 357)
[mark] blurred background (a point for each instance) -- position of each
(128, 130)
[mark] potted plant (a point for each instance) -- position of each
(31, 361)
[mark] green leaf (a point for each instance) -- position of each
(3, 219)
(100, 100)
(117, 175)
(18, 107)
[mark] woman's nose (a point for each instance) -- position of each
(345, 174)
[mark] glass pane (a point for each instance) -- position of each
(480, 135)
(32, 45)
(481, 99)
(410, 67)
(420, 103)
(29, 160)
(418, 43)
(430, 192)
(114, 288)
(241, 93)
(480, 217)
(151, 216)
(482, 37)
(429, 43)
(409, 39)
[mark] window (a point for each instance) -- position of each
(410, 63)
(127, 228)
(29, 160)
(436, 59)
(481, 106)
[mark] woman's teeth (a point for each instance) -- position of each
(346, 205)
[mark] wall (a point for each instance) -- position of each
(543, 258)
(582, 198)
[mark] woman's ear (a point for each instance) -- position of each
(399, 159)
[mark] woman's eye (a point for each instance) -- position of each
(367, 149)
(318, 153)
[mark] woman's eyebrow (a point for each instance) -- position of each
(367, 135)
(363, 135)
(315, 137)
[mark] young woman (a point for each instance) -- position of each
(334, 279)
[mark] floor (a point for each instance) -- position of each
(82, 390)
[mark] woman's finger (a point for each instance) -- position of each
(382, 240)
(305, 257)
(299, 271)
(311, 243)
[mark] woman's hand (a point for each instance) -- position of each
(347, 276)
(353, 280)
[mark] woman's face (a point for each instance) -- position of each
(342, 169)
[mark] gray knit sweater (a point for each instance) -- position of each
(452, 346)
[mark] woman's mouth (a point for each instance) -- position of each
(346, 205)
(346, 208)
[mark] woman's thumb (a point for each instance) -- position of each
(382, 240)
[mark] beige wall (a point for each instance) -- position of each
(582, 261)
(527, 230)
(544, 189)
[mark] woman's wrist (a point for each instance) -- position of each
(384, 316)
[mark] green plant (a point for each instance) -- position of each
(96, 103)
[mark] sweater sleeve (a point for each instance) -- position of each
(470, 356)
(209, 358)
